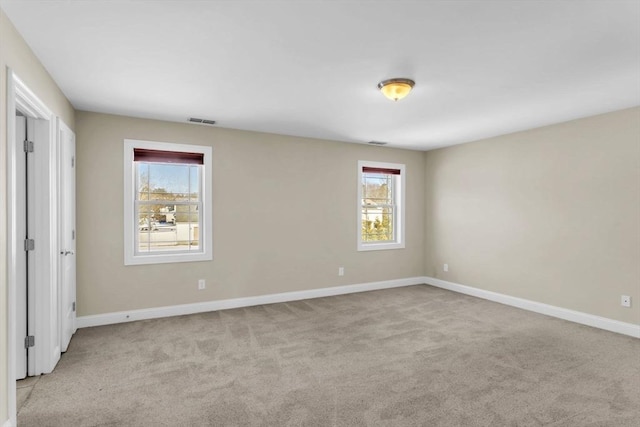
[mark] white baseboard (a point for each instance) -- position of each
(202, 307)
(8, 423)
(538, 307)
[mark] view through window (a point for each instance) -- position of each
(381, 205)
(168, 204)
(378, 206)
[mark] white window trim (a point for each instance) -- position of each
(131, 225)
(399, 226)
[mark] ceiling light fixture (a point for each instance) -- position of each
(396, 89)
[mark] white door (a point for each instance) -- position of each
(33, 225)
(26, 259)
(67, 233)
(21, 260)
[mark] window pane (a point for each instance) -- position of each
(142, 179)
(172, 178)
(186, 213)
(158, 237)
(377, 224)
(194, 183)
(160, 213)
(164, 227)
(173, 182)
(377, 188)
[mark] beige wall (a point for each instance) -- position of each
(15, 53)
(284, 217)
(550, 214)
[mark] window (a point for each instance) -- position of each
(380, 205)
(167, 206)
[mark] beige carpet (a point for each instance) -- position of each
(414, 356)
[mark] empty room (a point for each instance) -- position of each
(319, 213)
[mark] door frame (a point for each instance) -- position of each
(45, 306)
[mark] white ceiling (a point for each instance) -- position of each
(310, 68)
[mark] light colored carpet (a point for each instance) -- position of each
(414, 356)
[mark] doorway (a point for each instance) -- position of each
(40, 246)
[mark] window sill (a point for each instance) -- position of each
(166, 258)
(379, 246)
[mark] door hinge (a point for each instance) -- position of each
(28, 146)
(73, 162)
(73, 234)
(73, 306)
(29, 244)
(29, 341)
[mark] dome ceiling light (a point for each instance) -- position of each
(396, 89)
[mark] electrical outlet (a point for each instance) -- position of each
(340, 271)
(625, 300)
(445, 267)
(201, 284)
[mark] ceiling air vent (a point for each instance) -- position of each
(203, 121)
(377, 143)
